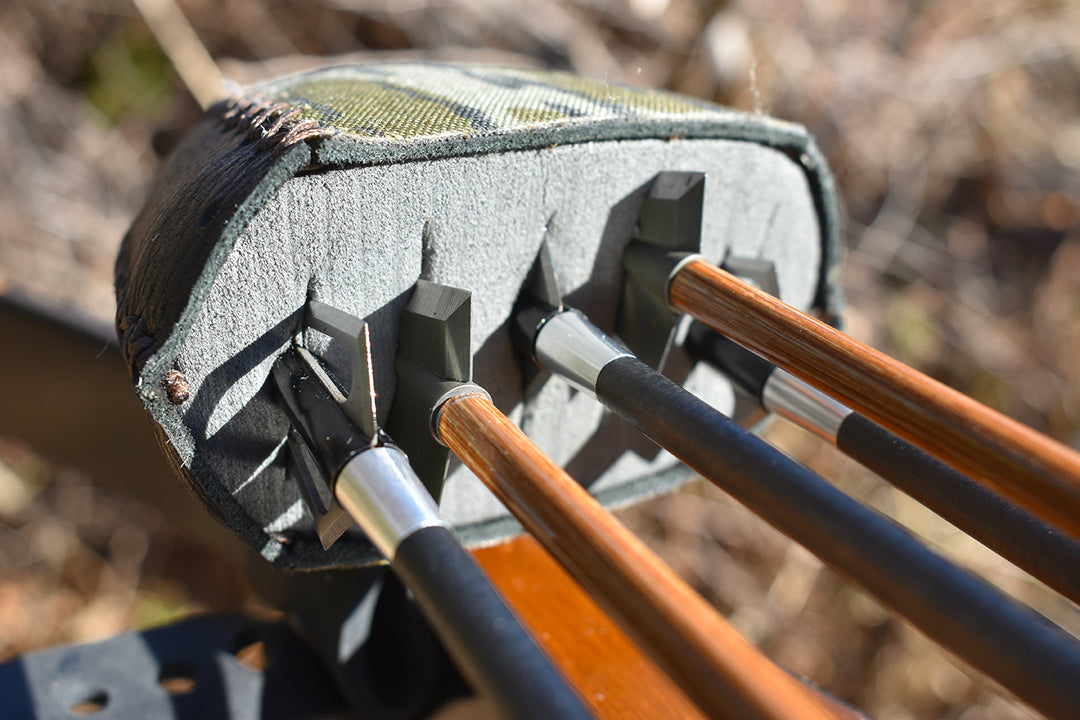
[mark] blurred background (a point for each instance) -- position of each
(954, 133)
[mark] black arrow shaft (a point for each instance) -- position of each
(1010, 643)
(481, 632)
(1018, 536)
(1013, 533)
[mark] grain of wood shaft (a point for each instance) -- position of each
(715, 666)
(1021, 464)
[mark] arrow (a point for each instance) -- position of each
(962, 613)
(717, 668)
(665, 275)
(1021, 464)
(1047, 553)
(372, 480)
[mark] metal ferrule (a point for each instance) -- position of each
(457, 390)
(571, 346)
(382, 493)
(678, 262)
(791, 398)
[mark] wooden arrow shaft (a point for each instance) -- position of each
(1032, 470)
(614, 677)
(617, 680)
(715, 666)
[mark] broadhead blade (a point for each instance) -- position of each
(670, 214)
(352, 332)
(366, 405)
(435, 329)
(540, 286)
(434, 356)
(331, 520)
(332, 525)
(539, 298)
(669, 224)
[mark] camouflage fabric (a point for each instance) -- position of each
(394, 107)
(410, 102)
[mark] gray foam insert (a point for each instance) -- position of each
(358, 238)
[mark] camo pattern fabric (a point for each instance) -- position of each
(413, 101)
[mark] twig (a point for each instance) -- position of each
(185, 50)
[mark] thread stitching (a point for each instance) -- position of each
(135, 342)
(273, 124)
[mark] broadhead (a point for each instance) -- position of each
(352, 332)
(434, 355)
(670, 215)
(539, 299)
(669, 224)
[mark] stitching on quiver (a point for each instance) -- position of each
(136, 344)
(273, 124)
